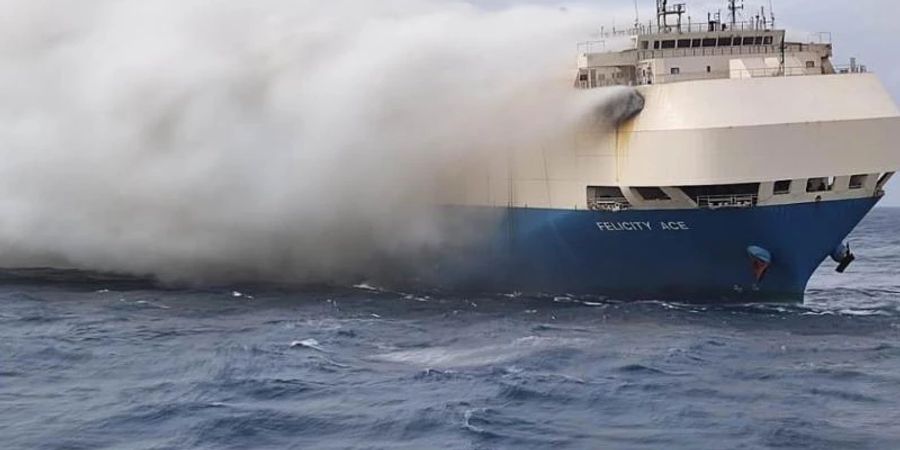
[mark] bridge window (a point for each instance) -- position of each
(858, 181)
(645, 45)
(737, 41)
(652, 193)
(749, 40)
(656, 45)
(758, 40)
(821, 184)
(697, 43)
(668, 44)
(676, 71)
(783, 187)
(725, 42)
(603, 198)
(768, 40)
(684, 43)
(709, 42)
(810, 64)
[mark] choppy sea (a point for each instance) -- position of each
(94, 362)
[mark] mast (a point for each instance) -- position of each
(733, 9)
(664, 10)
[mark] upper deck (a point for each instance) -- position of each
(668, 53)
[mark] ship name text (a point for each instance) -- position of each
(643, 226)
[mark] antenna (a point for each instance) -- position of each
(733, 9)
(772, 12)
(637, 15)
(663, 11)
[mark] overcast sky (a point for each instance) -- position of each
(866, 29)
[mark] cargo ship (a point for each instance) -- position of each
(741, 164)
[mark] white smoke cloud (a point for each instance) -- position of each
(198, 140)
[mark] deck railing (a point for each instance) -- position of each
(764, 72)
(611, 205)
(727, 201)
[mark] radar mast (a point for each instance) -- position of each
(664, 10)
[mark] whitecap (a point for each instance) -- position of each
(468, 356)
(367, 287)
(308, 343)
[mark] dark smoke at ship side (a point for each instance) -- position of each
(272, 140)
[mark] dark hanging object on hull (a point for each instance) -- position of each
(843, 256)
(760, 260)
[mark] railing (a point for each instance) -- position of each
(588, 47)
(689, 27)
(613, 205)
(789, 48)
(727, 201)
(765, 72)
(594, 47)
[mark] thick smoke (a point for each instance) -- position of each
(203, 140)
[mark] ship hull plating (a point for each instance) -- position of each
(696, 255)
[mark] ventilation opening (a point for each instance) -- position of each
(721, 189)
(602, 198)
(884, 179)
(652, 193)
(783, 187)
(820, 184)
(858, 181)
(724, 195)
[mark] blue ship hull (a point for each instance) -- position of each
(696, 255)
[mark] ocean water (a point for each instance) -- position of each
(89, 362)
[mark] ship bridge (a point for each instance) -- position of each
(687, 51)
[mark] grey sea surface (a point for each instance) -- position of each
(90, 362)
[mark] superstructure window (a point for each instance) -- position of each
(698, 43)
(758, 40)
(748, 40)
(768, 40)
(737, 41)
(645, 45)
(810, 64)
(684, 43)
(652, 193)
(783, 187)
(676, 71)
(656, 45)
(709, 42)
(725, 42)
(858, 181)
(668, 44)
(821, 184)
